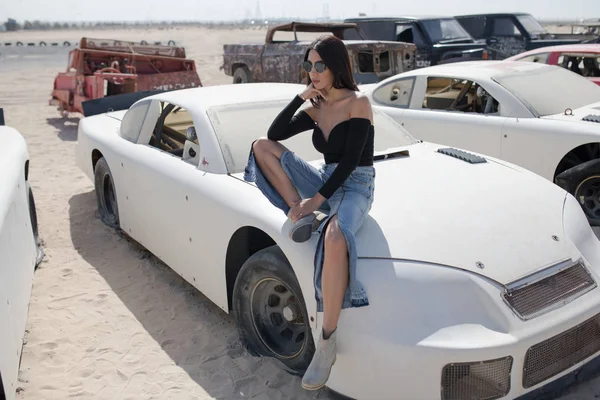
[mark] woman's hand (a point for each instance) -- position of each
(311, 92)
(304, 208)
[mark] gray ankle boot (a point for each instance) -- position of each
(318, 371)
(302, 229)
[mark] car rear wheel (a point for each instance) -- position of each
(270, 311)
(106, 197)
(242, 75)
(587, 193)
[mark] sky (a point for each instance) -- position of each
(221, 10)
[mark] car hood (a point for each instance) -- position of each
(435, 208)
(579, 114)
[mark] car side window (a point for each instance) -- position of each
(587, 66)
(536, 58)
(458, 95)
(174, 133)
(476, 26)
(396, 93)
(409, 33)
(505, 26)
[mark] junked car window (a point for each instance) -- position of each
(396, 94)
(451, 94)
(169, 132)
(409, 33)
(236, 126)
(505, 27)
(582, 64)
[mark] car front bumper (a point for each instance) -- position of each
(399, 345)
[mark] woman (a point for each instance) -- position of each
(341, 119)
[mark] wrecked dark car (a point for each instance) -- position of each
(511, 34)
(280, 58)
(438, 40)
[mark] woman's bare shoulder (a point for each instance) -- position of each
(310, 110)
(361, 107)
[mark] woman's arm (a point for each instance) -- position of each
(288, 124)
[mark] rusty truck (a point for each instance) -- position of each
(280, 58)
(104, 67)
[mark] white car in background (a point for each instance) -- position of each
(475, 290)
(541, 117)
(20, 253)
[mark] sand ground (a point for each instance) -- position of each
(107, 320)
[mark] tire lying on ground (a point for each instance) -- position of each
(106, 197)
(270, 312)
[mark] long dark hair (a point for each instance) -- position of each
(334, 54)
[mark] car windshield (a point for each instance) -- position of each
(550, 90)
(238, 125)
(443, 30)
(531, 24)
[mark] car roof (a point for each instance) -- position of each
(481, 70)
(200, 99)
(492, 15)
(398, 18)
(581, 48)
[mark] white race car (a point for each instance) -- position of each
(20, 253)
(481, 275)
(541, 117)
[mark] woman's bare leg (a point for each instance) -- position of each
(268, 155)
(335, 275)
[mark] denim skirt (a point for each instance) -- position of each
(351, 202)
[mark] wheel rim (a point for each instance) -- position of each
(588, 195)
(109, 196)
(278, 318)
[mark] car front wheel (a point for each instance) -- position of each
(270, 311)
(34, 226)
(583, 182)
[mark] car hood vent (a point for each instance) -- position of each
(462, 155)
(591, 118)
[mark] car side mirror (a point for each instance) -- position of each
(190, 134)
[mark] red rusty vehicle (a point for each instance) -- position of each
(106, 67)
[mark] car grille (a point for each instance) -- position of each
(478, 380)
(549, 289)
(554, 355)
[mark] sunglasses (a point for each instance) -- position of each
(319, 66)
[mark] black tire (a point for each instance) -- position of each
(66, 43)
(34, 226)
(583, 182)
(171, 43)
(265, 287)
(42, 43)
(106, 197)
(242, 75)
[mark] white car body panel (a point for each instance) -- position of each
(514, 134)
(434, 275)
(18, 253)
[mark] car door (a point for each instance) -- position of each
(449, 111)
(162, 185)
(505, 38)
